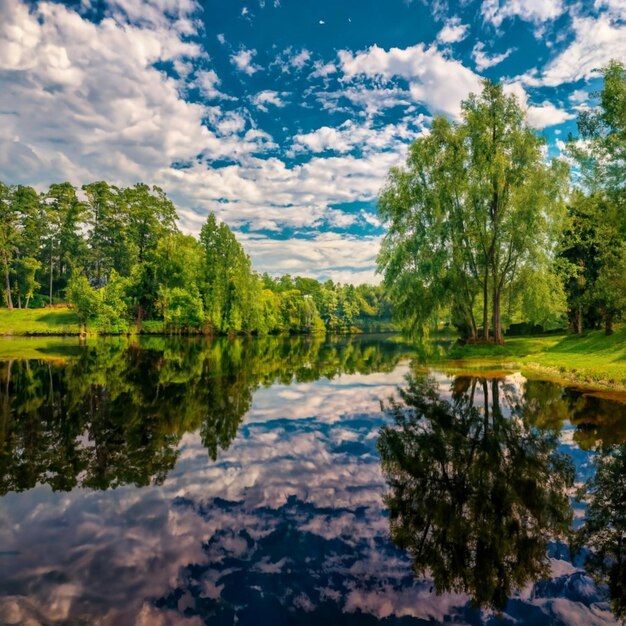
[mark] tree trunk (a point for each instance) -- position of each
(27, 301)
(579, 319)
(608, 323)
(139, 317)
(486, 306)
(8, 279)
(497, 325)
(50, 275)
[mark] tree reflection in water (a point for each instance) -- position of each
(116, 413)
(476, 488)
(604, 529)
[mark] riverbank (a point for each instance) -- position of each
(593, 359)
(57, 321)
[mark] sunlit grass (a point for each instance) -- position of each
(56, 321)
(592, 359)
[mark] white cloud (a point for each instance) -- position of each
(596, 42)
(324, 138)
(578, 95)
(438, 82)
(263, 98)
(85, 99)
(615, 8)
(300, 59)
(546, 114)
(344, 258)
(322, 70)
(535, 11)
(208, 82)
(537, 116)
(484, 60)
(350, 135)
(453, 31)
(242, 60)
(289, 59)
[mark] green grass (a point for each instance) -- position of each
(23, 322)
(593, 359)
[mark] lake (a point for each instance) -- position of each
(275, 481)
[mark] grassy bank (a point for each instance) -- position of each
(23, 322)
(593, 359)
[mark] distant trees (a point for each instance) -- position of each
(475, 208)
(117, 256)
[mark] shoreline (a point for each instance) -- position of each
(592, 361)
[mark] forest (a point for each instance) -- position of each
(117, 256)
(484, 232)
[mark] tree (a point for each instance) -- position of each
(601, 157)
(593, 244)
(475, 204)
(229, 288)
(107, 223)
(82, 296)
(8, 238)
(178, 262)
(65, 246)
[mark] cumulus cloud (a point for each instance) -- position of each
(434, 80)
(340, 257)
(595, 43)
(263, 98)
(243, 61)
(535, 11)
(484, 61)
(85, 98)
(546, 114)
(350, 135)
(453, 31)
(615, 8)
(541, 115)
(322, 70)
(208, 83)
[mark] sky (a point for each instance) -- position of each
(282, 117)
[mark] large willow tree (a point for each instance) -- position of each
(474, 210)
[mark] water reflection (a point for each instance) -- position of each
(475, 488)
(603, 533)
(116, 413)
(287, 525)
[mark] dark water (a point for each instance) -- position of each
(259, 482)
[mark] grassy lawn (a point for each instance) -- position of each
(592, 359)
(56, 321)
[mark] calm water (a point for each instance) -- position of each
(259, 482)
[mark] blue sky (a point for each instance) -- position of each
(282, 117)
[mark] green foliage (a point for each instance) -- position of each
(474, 207)
(119, 255)
(592, 246)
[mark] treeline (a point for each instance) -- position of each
(117, 256)
(485, 231)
